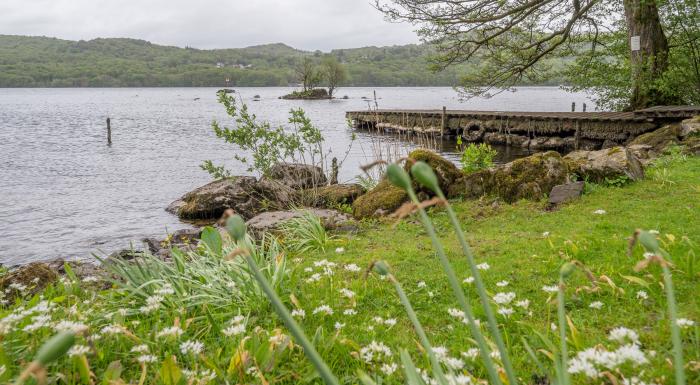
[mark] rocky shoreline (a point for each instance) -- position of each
(265, 202)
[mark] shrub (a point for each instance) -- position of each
(477, 157)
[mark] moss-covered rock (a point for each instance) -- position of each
(527, 178)
(336, 194)
(661, 138)
(690, 127)
(382, 199)
(27, 280)
(445, 170)
(597, 166)
(692, 145)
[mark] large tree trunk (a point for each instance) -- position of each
(651, 59)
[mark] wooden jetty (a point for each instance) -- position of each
(533, 130)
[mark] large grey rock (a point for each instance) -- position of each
(271, 220)
(565, 192)
(210, 201)
(690, 127)
(297, 175)
(596, 166)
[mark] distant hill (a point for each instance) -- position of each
(49, 62)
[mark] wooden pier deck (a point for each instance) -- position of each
(534, 130)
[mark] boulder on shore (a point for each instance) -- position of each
(270, 221)
(531, 177)
(690, 127)
(597, 166)
(298, 175)
(335, 194)
(383, 199)
(660, 138)
(27, 280)
(445, 170)
(210, 201)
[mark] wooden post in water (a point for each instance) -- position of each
(444, 120)
(584, 107)
(109, 132)
(573, 106)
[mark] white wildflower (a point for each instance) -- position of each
(684, 323)
(78, 350)
(505, 311)
(453, 363)
(234, 330)
(468, 280)
(621, 334)
(340, 250)
(483, 266)
(339, 325)
(167, 289)
(140, 349)
(375, 352)
(298, 313)
(146, 358)
(75, 327)
(523, 303)
(389, 369)
(353, 268)
(194, 347)
(456, 313)
(641, 294)
(504, 298)
(308, 269)
(545, 234)
(323, 309)
(596, 305)
(471, 354)
(350, 312)
(422, 284)
(90, 278)
(502, 283)
(38, 322)
(112, 329)
(390, 322)
(599, 212)
(172, 331)
(551, 289)
(314, 278)
(347, 292)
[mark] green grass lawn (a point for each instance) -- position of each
(523, 244)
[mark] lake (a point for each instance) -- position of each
(65, 193)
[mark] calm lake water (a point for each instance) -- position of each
(65, 193)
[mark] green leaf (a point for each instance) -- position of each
(212, 238)
(170, 374)
(113, 372)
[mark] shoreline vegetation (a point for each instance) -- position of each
(195, 307)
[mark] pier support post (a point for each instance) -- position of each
(584, 107)
(109, 132)
(444, 120)
(573, 106)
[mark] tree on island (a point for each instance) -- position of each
(308, 74)
(514, 41)
(334, 73)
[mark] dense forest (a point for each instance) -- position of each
(50, 62)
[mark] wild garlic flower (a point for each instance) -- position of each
(622, 334)
(599, 212)
(349, 312)
(505, 311)
(140, 349)
(502, 283)
(314, 278)
(468, 280)
(347, 293)
(390, 322)
(422, 284)
(191, 347)
(353, 268)
(298, 313)
(525, 303)
(471, 354)
(78, 350)
(593, 361)
(596, 305)
(641, 294)
(38, 322)
(167, 289)
(483, 266)
(308, 269)
(389, 369)
(340, 250)
(375, 352)
(456, 313)
(112, 330)
(172, 331)
(339, 325)
(234, 330)
(550, 289)
(504, 298)
(146, 358)
(323, 309)
(684, 323)
(75, 327)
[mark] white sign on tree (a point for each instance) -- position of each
(635, 43)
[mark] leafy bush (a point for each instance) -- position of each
(267, 145)
(477, 157)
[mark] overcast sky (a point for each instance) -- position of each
(304, 24)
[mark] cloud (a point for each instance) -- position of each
(305, 24)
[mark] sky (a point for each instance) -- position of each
(304, 24)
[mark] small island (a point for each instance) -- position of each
(312, 74)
